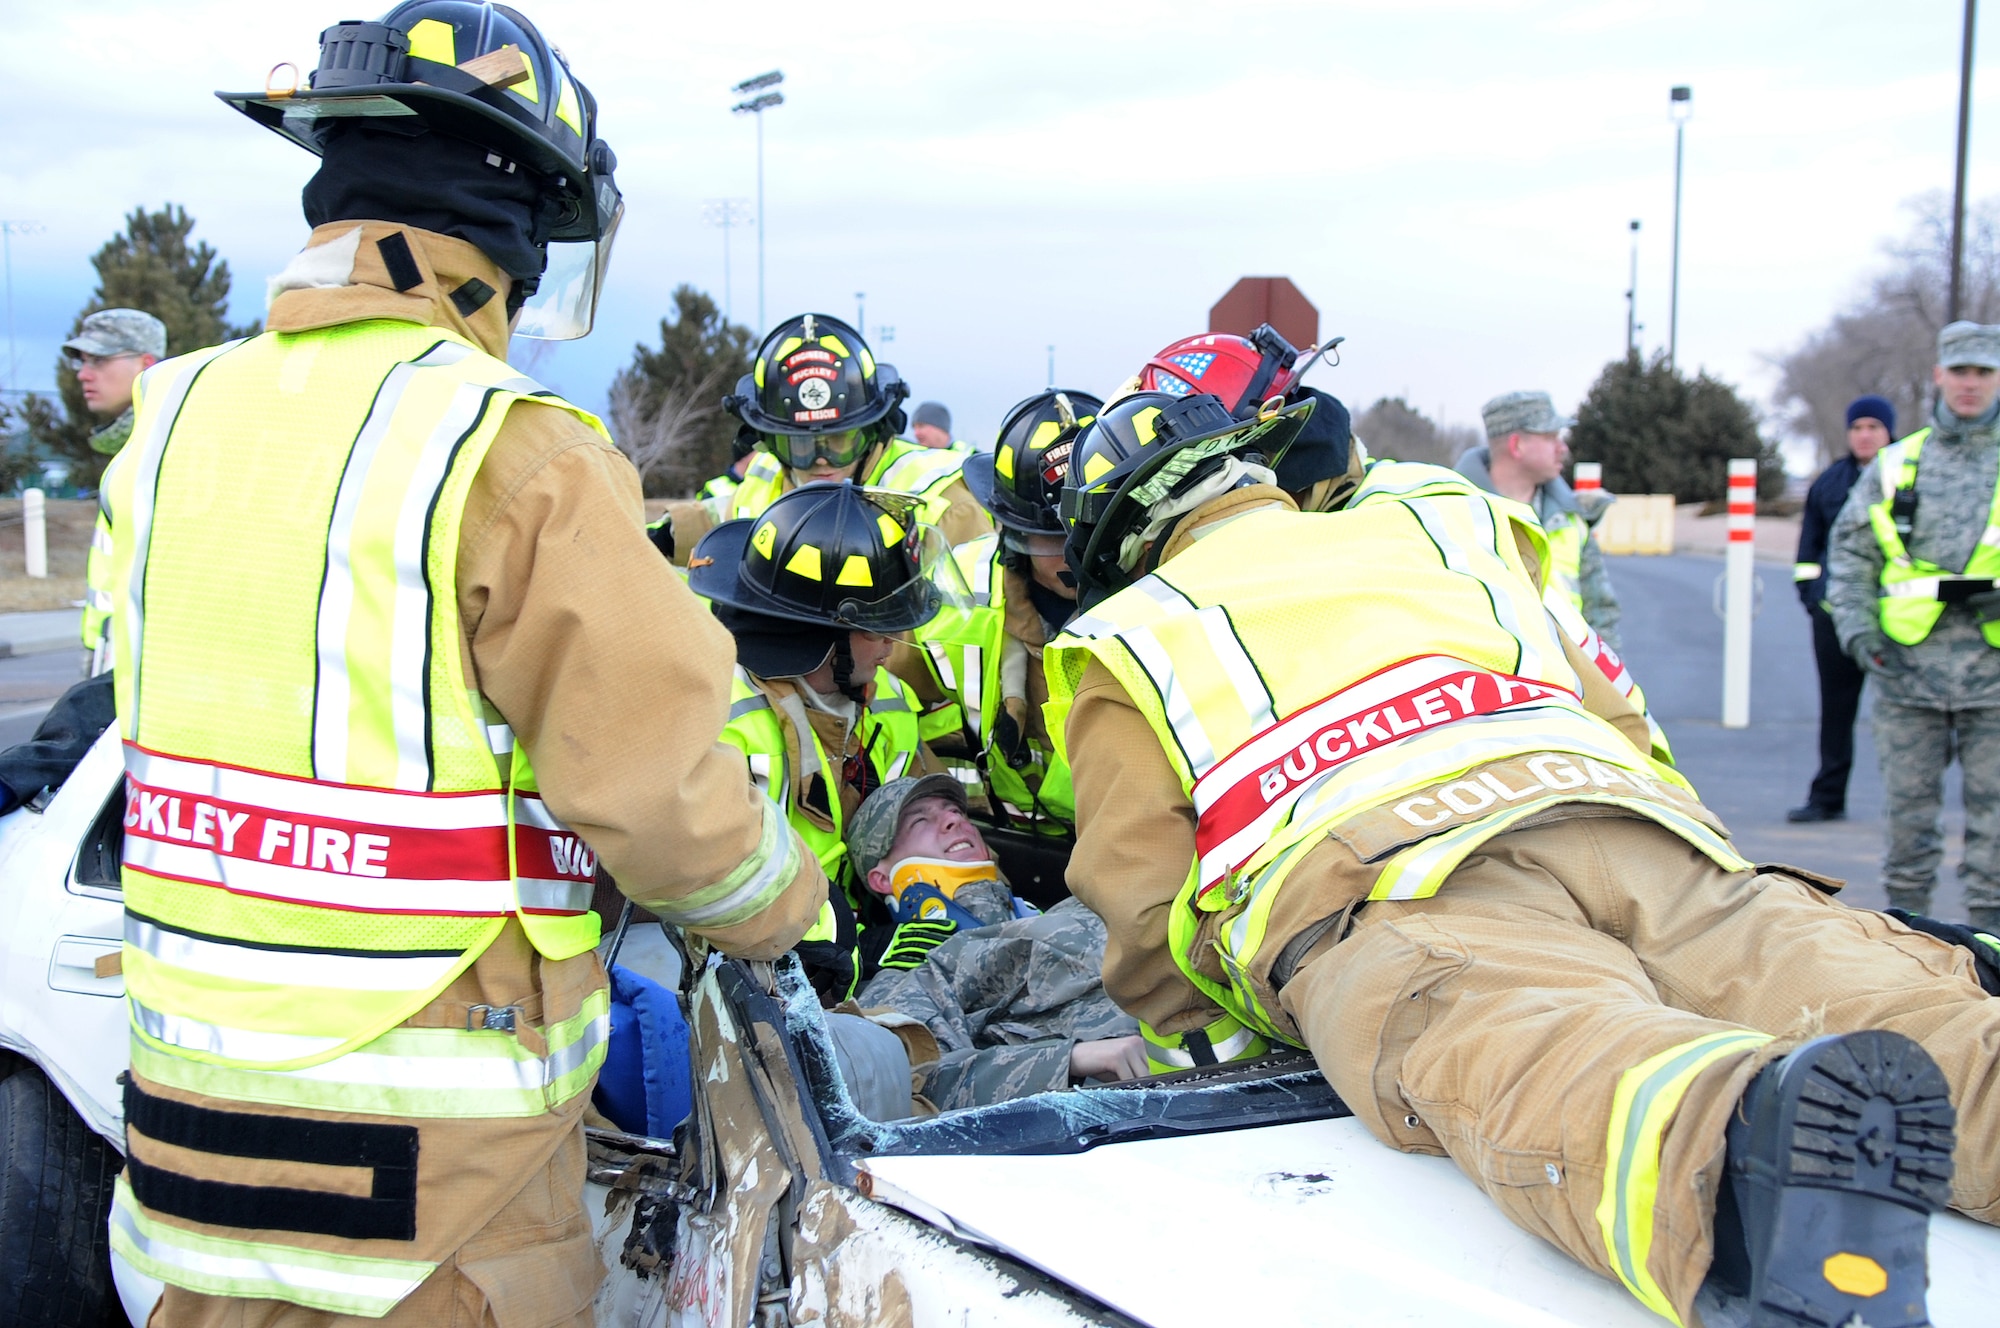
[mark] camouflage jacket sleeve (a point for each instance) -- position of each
(1854, 563)
(1006, 1004)
(1600, 601)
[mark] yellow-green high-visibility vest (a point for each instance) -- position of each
(325, 822)
(1324, 690)
(1390, 480)
(886, 730)
(964, 649)
(97, 593)
(900, 466)
(1915, 592)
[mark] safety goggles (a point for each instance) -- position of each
(800, 450)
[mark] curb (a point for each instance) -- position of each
(40, 645)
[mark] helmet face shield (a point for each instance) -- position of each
(800, 450)
(938, 585)
(564, 306)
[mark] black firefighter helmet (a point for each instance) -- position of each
(1142, 450)
(483, 73)
(1020, 481)
(816, 380)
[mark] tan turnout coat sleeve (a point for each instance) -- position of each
(613, 676)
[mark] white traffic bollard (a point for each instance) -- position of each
(1737, 593)
(1589, 476)
(34, 522)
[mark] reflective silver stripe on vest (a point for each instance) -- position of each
(973, 694)
(749, 705)
(337, 592)
(1930, 587)
(1230, 656)
(161, 416)
(240, 1044)
(1196, 746)
(1455, 558)
(942, 659)
(289, 966)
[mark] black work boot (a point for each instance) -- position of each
(1838, 1157)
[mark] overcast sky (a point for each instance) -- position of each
(1449, 182)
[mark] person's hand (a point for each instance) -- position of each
(1873, 652)
(914, 940)
(1108, 1058)
(1008, 739)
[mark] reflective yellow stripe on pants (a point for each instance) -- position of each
(1647, 1096)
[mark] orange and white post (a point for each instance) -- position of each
(1737, 592)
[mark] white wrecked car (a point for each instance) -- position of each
(1244, 1194)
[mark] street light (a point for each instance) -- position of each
(861, 313)
(756, 106)
(1632, 298)
(1680, 109)
(728, 213)
(8, 230)
(1958, 192)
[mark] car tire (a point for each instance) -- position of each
(56, 1177)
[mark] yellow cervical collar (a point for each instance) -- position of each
(943, 876)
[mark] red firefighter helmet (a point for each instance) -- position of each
(1244, 371)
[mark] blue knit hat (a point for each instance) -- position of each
(1872, 408)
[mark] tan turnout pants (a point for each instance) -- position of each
(1495, 1021)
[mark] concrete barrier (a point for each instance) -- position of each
(1640, 523)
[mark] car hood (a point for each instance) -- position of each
(1296, 1223)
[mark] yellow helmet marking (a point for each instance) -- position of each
(526, 89)
(1044, 434)
(1003, 463)
(1142, 424)
(760, 373)
(892, 534)
(765, 539)
(567, 109)
(1855, 1274)
(1094, 467)
(431, 39)
(787, 346)
(867, 363)
(837, 346)
(805, 562)
(854, 572)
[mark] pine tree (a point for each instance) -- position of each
(1657, 431)
(152, 266)
(666, 410)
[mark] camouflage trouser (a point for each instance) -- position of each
(1915, 744)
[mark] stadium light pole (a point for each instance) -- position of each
(1958, 191)
(8, 230)
(1680, 108)
(756, 106)
(1632, 298)
(728, 213)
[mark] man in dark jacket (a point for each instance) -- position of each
(1871, 424)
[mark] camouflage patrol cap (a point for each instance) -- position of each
(873, 828)
(1965, 344)
(120, 332)
(1522, 412)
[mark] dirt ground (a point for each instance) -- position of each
(70, 521)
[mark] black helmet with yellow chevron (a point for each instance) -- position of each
(1148, 459)
(834, 555)
(815, 380)
(464, 114)
(1020, 480)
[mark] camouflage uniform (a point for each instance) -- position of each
(1006, 1004)
(1556, 503)
(1942, 694)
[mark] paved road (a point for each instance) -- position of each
(1673, 640)
(29, 684)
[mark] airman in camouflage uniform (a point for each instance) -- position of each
(1942, 694)
(1015, 998)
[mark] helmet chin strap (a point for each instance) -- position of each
(843, 672)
